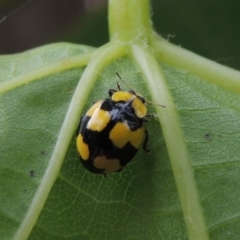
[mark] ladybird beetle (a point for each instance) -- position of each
(111, 132)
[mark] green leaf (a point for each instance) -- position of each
(188, 188)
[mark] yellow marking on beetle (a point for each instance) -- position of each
(136, 137)
(121, 134)
(122, 96)
(99, 120)
(93, 108)
(139, 108)
(110, 165)
(82, 148)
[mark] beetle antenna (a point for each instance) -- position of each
(155, 104)
(123, 81)
(130, 88)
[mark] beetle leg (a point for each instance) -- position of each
(150, 116)
(145, 143)
(147, 117)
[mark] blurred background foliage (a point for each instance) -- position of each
(210, 28)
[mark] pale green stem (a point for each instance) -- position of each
(173, 135)
(36, 74)
(129, 19)
(211, 71)
(101, 59)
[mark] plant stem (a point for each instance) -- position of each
(178, 152)
(66, 133)
(211, 71)
(129, 19)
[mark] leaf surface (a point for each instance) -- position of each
(188, 188)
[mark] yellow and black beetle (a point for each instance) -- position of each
(111, 132)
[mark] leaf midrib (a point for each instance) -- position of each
(178, 152)
(36, 74)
